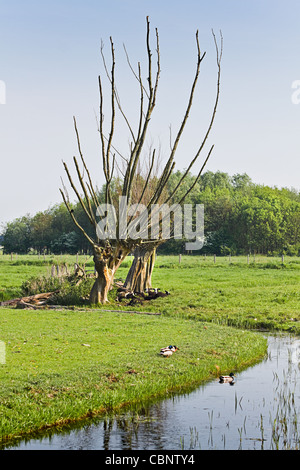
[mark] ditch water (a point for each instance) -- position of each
(260, 411)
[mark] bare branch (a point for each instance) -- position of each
(198, 176)
(142, 102)
(146, 183)
(92, 191)
(113, 167)
(219, 56)
(119, 169)
(90, 217)
(170, 131)
(65, 190)
(136, 152)
(118, 101)
(131, 68)
(71, 212)
(113, 112)
(166, 173)
(101, 129)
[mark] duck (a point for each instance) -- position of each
(125, 295)
(162, 294)
(153, 290)
(227, 378)
(154, 294)
(168, 351)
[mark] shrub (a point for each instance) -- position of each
(70, 294)
(38, 285)
(66, 292)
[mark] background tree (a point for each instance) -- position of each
(41, 230)
(227, 229)
(17, 235)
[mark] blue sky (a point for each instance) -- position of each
(50, 61)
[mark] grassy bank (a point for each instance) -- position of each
(65, 365)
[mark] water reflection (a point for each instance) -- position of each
(259, 412)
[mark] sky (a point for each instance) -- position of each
(49, 65)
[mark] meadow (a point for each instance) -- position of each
(64, 365)
(260, 293)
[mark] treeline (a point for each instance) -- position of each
(240, 217)
(244, 217)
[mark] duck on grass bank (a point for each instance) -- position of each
(168, 351)
(227, 379)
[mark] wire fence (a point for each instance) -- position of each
(178, 259)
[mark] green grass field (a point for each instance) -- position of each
(264, 294)
(64, 365)
(261, 294)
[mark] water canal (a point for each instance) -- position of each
(260, 411)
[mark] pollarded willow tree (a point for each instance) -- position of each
(118, 231)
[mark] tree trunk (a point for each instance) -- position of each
(139, 275)
(107, 261)
(100, 289)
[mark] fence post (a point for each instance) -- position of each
(179, 259)
(66, 269)
(214, 258)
